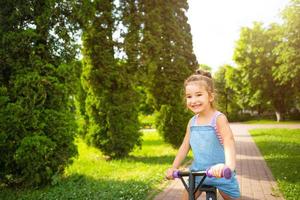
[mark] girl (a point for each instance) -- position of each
(209, 136)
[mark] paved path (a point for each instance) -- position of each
(254, 176)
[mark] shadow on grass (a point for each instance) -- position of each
(82, 187)
(154, 160)
(151, 159)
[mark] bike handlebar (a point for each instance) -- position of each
(226, 173)
(178, 174)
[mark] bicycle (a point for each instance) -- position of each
(211, 191)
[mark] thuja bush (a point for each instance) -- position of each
(172, 122)
(113, 119)
(111, 101)
(37, 126)
(37, 130)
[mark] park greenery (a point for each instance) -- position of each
(139, 176)
(37, 122)
(131, 61)
(267, 77)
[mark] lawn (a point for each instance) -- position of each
(91, 176)
(264, 121)
(281, 150)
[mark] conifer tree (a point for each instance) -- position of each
(110, 101)
(168, 54)
(37, 128)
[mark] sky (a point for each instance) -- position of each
(215, 25)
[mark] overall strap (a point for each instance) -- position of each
(214, 119)
(213, 123)
(194, 119)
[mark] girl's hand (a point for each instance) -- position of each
(217, 170)
(169, 173)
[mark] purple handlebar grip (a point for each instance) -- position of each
(226, 173)
(175, 174)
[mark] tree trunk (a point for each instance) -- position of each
(278, 116)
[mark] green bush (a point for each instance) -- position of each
(172, 122)
(146, 106)
(36, 166)
(113, 125)
(37, 130)
(111, 101)
(37, 125)
(147, 121)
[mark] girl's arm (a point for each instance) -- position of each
(229, 146)
(182, 152)
(228, 141)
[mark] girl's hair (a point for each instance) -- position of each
(204, 78)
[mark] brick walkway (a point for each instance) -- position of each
(254, 176)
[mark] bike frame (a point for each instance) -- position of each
(211, 193)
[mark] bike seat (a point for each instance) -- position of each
(207, 188)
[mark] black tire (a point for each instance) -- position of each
(211, 196)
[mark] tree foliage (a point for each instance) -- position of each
(257, 62)
(205, 67)
(267, 73)
(110, 97)
(37, 128)
(167, 52)
(288, 50)
(227, 94)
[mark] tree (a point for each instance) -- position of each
(205, 67)
(227, 96)
(167, 52)
(130, 18)
(111, 100)
(37, 125)
(288, 51)
(257, 61)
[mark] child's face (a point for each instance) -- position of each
(197, 97)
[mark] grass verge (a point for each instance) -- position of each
(264, 121)
(281, 150)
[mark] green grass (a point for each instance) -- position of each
(281, 150)
(137, 177)
(264, 121)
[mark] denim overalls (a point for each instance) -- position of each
(208, 151)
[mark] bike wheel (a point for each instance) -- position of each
(211, 196)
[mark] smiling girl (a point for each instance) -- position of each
(209, 136)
